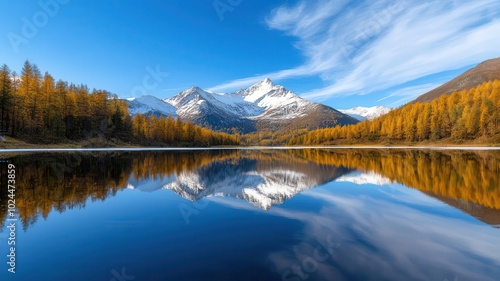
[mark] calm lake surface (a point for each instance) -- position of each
(305, 214)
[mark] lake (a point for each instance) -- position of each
(268, 214)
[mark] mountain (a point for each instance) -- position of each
(364, 113)
(150, 105)
(246, 176)
(220, 112)
(263, 106)
(253, 179)
(365, 178)
(483, 213)
(238, 179)
(486, 71)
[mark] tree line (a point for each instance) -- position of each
(170, 131)
(462, 175)
(59, 182)
(38, 109)
(459, 117)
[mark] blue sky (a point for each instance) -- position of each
(338, 52)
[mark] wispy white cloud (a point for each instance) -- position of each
(408, 93)
(384, 223)
(359, 47)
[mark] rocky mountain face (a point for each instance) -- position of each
(486, 71)
(263, 106)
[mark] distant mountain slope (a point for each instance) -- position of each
(150, 105)
(254, 180)
(366, 113)
(486, 71)
(263, 106)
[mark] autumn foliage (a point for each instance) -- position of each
(153, 130)
(460, 117)
(36, 108)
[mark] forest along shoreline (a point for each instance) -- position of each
(18, 147)
(40, 112)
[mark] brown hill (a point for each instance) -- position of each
(315, 116)
(485, 214)
(486, 71)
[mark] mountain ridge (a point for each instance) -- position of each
(485, 71)
(366, 113)
(263, 106)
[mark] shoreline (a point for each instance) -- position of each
(80, 149)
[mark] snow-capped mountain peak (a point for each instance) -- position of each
(263, 105)
(258, 90)
(366, 113)
(266, 83)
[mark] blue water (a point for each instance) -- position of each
(335, 230)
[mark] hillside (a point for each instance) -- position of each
(471, 116)
(486, 71)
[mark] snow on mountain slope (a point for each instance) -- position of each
(195, 101)
(365, 178)
(261, 106)
(150, 105)
(275, 101)
(263, 189)
(262, 177)
(363, 113)
(149, 184)
(257, 91)
(258, 101)
(252, 180)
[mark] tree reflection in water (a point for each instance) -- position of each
(46, 182)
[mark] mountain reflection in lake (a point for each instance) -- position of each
(305, 214)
